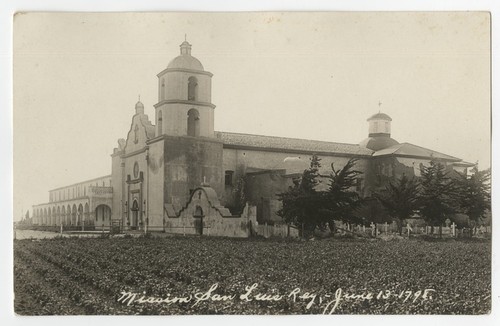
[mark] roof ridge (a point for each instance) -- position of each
(85, 181)
(282, 137)
(431, 150)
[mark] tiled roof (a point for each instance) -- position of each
(292, 144)
(413, 150)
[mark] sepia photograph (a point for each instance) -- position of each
(252, 163)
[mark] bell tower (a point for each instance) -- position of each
(184, 105)
(192, 155)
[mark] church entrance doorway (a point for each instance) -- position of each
(198, 222)
(135, 215)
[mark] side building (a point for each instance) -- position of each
(86, 203)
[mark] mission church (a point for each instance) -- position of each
(177, 174)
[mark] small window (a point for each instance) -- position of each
(192, 89)
(162, 95)
(160, 123)
(228, 178)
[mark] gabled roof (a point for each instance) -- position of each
(289, 144)
(407, 149)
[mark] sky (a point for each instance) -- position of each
(77, 77)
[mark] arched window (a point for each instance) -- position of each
(160, 123)
(192, 89)
(193, 127)
(198, 212)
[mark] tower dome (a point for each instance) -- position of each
(139, 107)
(185, 60)
(379, 132)
(184, 105)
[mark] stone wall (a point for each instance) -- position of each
(244, 161)
(190, 161)
(156, 182)
(204, 215)
(261, 189)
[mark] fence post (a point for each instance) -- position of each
(453, 229)
(61, 229)
(102, 228)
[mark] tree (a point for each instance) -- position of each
(301, 203)
(239, 195)
(438, 197)
(372, 211)
(304, 206)
(340, 201)
(400, 199)
(474, 196)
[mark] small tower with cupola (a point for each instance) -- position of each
(379, 132)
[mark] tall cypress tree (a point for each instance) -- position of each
(438, 197)
(400, 199)
(341, 200)
(474, 194)
(300, 204)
